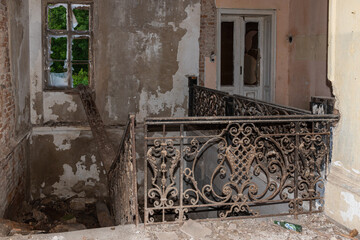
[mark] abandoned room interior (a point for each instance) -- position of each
(119, 117)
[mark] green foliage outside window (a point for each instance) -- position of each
(81, 77)
(57, 18)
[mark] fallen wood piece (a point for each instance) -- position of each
(353, 233)
(103, 215)
(345, 235)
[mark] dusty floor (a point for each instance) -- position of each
(314, 227)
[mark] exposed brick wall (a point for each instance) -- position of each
(207, 34)
(7, 101)
(13, 149)
(14, 182)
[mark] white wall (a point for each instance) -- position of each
(343, 187)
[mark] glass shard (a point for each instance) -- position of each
(80, 17)
(58, 74)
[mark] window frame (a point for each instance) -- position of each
(70, 34)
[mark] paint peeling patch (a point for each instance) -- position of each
(58, 238)
(187, 58)
(90, 175)
(63, 141)
(353, 207)
(57, 98)
(151, 44)
(172, 24)
(338, 163)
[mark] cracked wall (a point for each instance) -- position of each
(343, 186)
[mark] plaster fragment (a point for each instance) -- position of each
(353, 207)
(356, 171)
(57, 98)
(63, 141)
(172, 24)
(70, 177)
(338, 163)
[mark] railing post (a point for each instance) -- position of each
(192, 81)
(230, 111)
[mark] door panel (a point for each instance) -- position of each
(243, 52)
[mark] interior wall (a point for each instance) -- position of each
(300, 64)
(308, 52)
(143, 52)
(65, 162)
(15, 124)
(343, 187)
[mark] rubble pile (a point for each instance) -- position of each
(52, 215)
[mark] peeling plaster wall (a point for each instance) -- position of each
(308, 52)
(65, 163)
(146, 49)
(143, 52)
(343, 186)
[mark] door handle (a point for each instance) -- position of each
(241, 70)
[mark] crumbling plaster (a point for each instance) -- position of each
(143, 51)
(65, 162)
(343, 186)
(144, 48)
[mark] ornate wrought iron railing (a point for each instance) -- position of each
(208, 102)
(122, 179)
(235, 167)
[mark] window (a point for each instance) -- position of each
(68, 53)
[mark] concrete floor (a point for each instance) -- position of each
(314, 227)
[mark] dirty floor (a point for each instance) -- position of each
(314, 227)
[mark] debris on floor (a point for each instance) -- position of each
(315, 226)
(52, 215)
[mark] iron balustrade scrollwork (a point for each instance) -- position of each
(122, 178)
(244, 106)
(235, 167)
(209, 102)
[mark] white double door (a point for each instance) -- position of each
(245, 56)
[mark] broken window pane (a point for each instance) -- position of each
(252, 54)
(80, 74)
(80, 17)
(57, 17)
(58, 48)
(80, 49)
(58, 74)
(227, 53)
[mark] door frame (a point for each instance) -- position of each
(249, 13)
